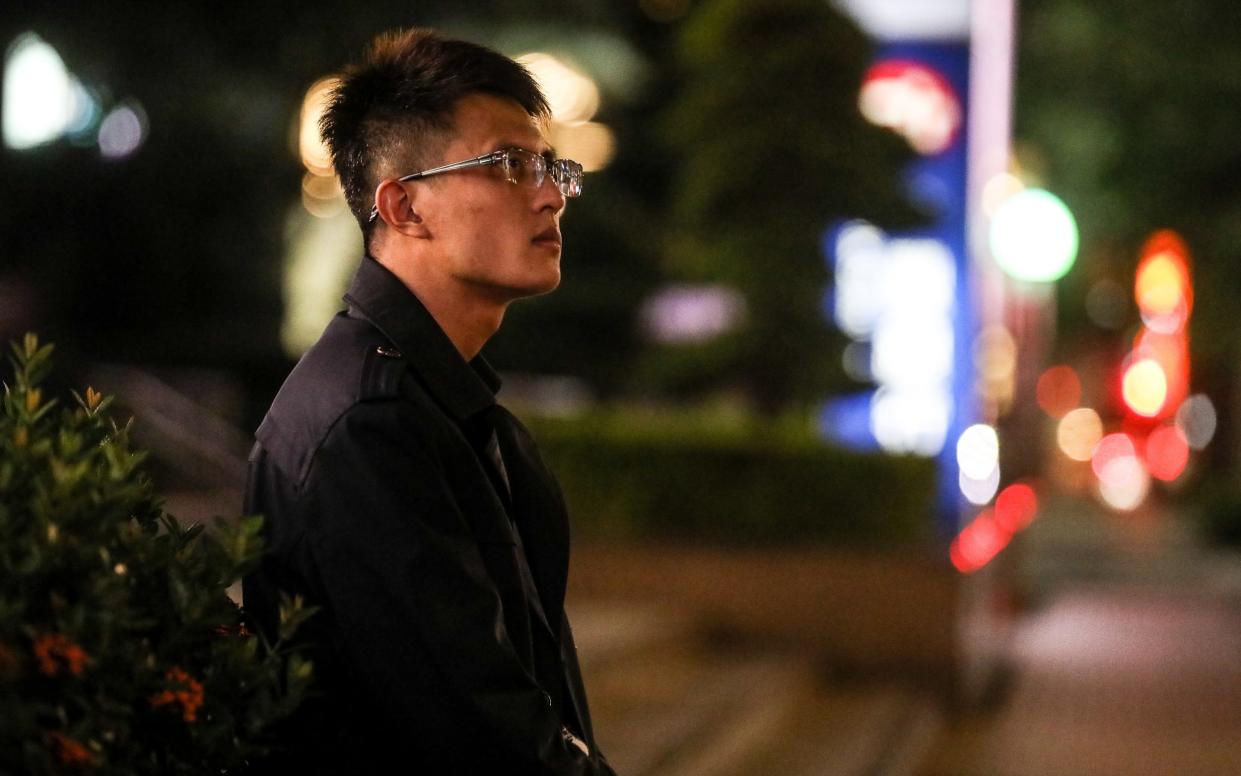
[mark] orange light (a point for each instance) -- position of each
(1078, 432)
(1162, 285)
(1145, 387)
(1167, 453)
(1058, 391)
(1015, 507)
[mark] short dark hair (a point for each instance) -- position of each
(396, 104)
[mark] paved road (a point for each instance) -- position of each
(1130, 665)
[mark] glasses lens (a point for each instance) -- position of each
(568, 177)
(524, 167)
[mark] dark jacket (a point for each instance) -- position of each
(442, 644)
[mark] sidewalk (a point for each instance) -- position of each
(1130, 665)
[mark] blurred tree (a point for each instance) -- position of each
(1124, 108)
(772, 150)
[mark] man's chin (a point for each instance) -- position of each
(514, 290)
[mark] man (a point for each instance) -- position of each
(400, 498)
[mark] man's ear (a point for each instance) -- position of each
(396, 204)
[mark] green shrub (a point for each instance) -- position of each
(120, 650)
(648, 477)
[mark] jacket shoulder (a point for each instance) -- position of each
(352, 362)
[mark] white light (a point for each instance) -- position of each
(1124, 483)
(572, 96)
(909, 350)
(38, 94)
(122, 131)
(685, 313)
(910, 421)
(859, 278)
(981, 491)
(1196, 420)
(911, 19)
(978, 451)
(919, 275)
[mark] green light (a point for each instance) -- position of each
(1034, 237)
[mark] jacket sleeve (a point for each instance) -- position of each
(413, 608)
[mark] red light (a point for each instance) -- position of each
(978, 543)
(1015, 507)
(1167, 453)
(1059, 390)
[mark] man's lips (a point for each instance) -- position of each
(548, 236)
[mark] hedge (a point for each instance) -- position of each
(644, 477)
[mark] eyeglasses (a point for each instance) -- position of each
(519, 166)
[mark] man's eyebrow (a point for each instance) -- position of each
(515, 144)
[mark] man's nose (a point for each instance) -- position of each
(549, 195)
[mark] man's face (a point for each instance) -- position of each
(491, 235)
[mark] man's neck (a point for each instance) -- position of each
(469, 316)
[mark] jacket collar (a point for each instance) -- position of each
(377, 295)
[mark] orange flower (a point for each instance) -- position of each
(186, 693)
(53, 650)
(69, 750)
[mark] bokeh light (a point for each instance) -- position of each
(122, 131)
(995, 361)
(998, 189)
(574, 99)
(1033, 236)
(1123, 479)
(979, 491)
(322, 195)
(910, 421)
(1058, 390)
(858, 253)
(589, 143)
(978, 543)
(1167, 453)
(692, 313)
(1124, 483)
(1162, 285)
(1145, 387)
(1196, 420)
(1016, 507)
(313, 151)
(978, 451)
(1111, 448)
(571, 95)
(1161, 288)
(39, 94)
(915, 101)
(1078, 432)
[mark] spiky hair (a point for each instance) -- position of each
(395, 105)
